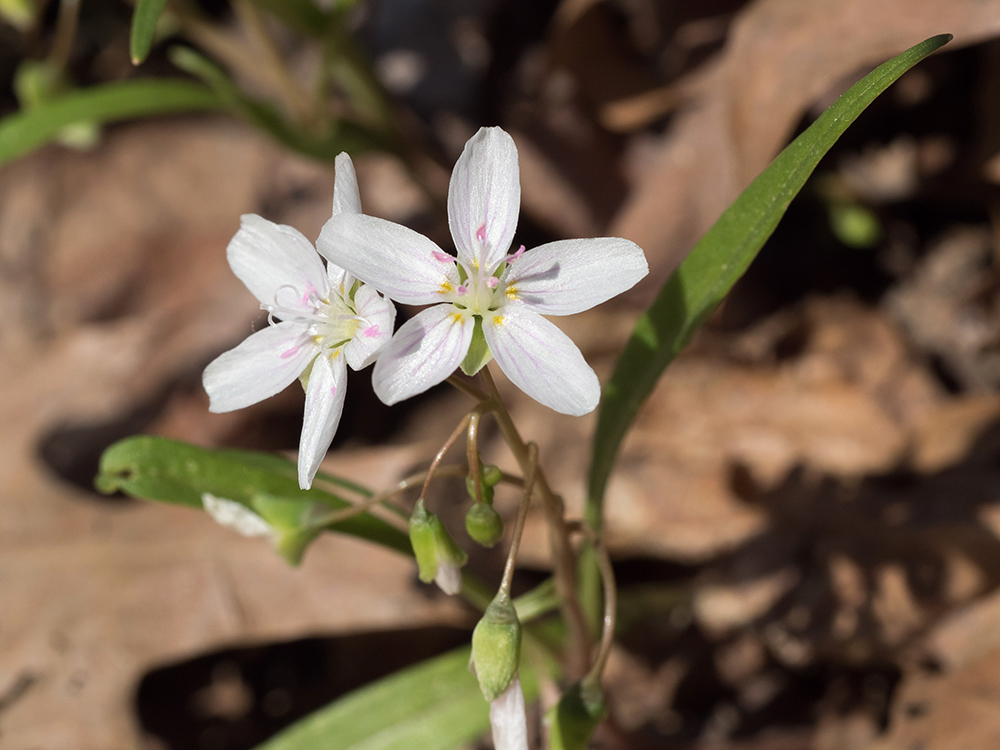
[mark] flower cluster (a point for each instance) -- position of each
(485, 302)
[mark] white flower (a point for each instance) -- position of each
(508, 719)
(484, 288)
(328, 320)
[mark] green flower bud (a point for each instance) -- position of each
(491, 475)
(470, 486)
(573, 720)
(484, 524)
(496, 646)
(439, 559)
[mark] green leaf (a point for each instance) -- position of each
(144, 20)
(435, 705)
(715, 264)
(154, 468)
(22, 132)
(303, 16)
(342, 135)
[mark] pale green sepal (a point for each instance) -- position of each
(496, 647)
(479, 352)
(432, 545)
(573, 720)
(292, 522)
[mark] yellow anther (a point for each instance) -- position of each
(498, 320)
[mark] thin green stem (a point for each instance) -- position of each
(562, 551)
(472, 453)
(522, 514)
(384, 496)
(593, 677)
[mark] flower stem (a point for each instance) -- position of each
(593, 678)
(522, 514)
(562, 552)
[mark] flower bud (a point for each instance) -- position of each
(470, 487)
(484, 524)
(491, 475)
(439, 559)
(290, 521)
(496, 647)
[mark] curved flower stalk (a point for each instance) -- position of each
(486, 302)
(321, 320)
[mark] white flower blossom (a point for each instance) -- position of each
(322, 319)
(509, 720)
(504, 295)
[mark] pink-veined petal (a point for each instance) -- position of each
(276, 263)
(324, 405)
(378, 317)
(484, 198)
(570, 276)
(263, 365)
(541, 360)
(402, 264)
(346, 197)
(508, 719)
(426, 350)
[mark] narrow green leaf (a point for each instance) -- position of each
(23, 132)
(435, 705)
(154, 468)
(144, 20)
(303, 16)
(342, 135)
(715, 264)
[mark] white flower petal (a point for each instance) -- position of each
(449, 578)
(324, 405)
(425, 351)
(379, 316)
(236, 516)
(570, 276)
(346, 197)
(541, 360)
(400, 263)
(264, 364)
(274, 260)
(509, 720)
(340, 281)
(484, 197)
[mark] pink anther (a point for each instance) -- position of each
(514, 256)
(481, 233)
(462, 289)
(290, 352)
(310, 291)
(333, 391)
(492, 282)
(441, 257)
(371, 331)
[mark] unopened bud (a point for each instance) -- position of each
(484, 524)
(496, 646)
(486, 489)
(439, 559)
(491, 475)
(291, 522)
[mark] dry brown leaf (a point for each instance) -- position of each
(115, 285)
(781, 56)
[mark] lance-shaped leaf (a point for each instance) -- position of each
(717, 262)
(435, 705)
(144, 20)
(24, 131)
(154, 468)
